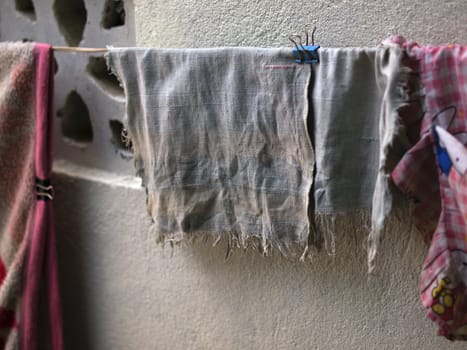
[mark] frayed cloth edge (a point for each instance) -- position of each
(330, 227)
(403, 98)
(294, 250)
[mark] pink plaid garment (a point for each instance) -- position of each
(450, 295)
(443, 284)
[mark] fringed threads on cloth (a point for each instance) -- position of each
(355, 225)
(330, 226)
(199, 175)
(236, 241)
(228, 152)
(126, 140)
(403, 95)
(358, 138)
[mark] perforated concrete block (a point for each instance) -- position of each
(87, 97)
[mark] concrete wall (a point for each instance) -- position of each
(122, 291)
(264, 23)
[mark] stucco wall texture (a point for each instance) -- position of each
(205, 23)
(122, 291)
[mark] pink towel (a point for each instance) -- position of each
(27, 241)
(17, 135)
(42, 259)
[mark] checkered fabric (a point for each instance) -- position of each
(443, 284)
(416, 175)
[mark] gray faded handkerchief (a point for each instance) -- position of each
(356, 96)
(220, 139)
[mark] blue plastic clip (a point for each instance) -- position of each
(305, 53)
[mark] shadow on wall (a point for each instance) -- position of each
(122, 290)
(72, 238)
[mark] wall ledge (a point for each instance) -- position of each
(70, 169)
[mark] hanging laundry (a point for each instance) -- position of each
(17, 181)
(356, 96)
(26, 230)
(416, 175)
(435, 187)
(221, 142)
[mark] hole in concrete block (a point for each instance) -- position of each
(122, 146)
(71, 16)
(113, 14)
(97, 68)
(76, 123)
(26, 8)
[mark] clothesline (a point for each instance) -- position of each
(303, 54)
(103, 49)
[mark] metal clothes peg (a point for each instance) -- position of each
(297, 51)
